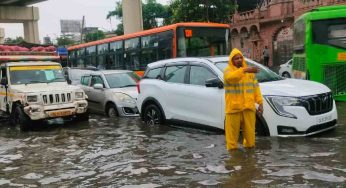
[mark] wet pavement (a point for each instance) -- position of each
(124, 152)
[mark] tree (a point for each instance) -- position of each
(94, 36)
(64, 41)
(17, 40)
(218, 11)
(151, 11)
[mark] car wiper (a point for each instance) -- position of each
(55, 79)
(130, 85)
(33, 82)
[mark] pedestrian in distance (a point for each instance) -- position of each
(242, 92)
(266, 56)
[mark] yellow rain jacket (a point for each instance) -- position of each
(241, 89)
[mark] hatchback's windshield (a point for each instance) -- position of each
(118, 80)
(265, 75)
(36, 74)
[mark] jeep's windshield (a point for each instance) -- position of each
(265, 74)
(36, 74)
(119, 80)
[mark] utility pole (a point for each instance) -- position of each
(82, 29)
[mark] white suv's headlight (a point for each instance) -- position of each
(278, 102)
(79, 95)
(125, 98)
(31, 98)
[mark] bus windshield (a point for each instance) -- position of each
(330, 32)
(35, 74)
(202, 41)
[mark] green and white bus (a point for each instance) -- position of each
(320, 48)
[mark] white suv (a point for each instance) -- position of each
(189, 91)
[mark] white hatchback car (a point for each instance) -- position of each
(112, 92)
(189, 91)
(286, 69)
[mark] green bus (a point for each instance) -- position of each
(320, 48)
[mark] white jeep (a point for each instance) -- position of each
(35, 90)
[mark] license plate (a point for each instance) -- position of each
(60, 113)
(324, 119)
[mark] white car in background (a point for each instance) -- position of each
(286, 69)
(189, 91)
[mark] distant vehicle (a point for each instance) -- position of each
(112, 92)
(286, 69)
(320, 48)
(34, 89)
(134, 51)
(189, 91)
(73, 75)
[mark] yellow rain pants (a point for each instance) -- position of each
(234, 121)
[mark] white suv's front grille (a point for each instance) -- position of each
(56, 98)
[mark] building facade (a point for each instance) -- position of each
(271, 25)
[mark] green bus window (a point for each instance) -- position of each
(299, 35)
(329, 32)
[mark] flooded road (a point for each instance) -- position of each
(125, 153)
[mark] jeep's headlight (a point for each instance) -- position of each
(278, 103)
(125, 98)
(79, 95)
(31, 98)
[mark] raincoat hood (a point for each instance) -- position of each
(234, 52)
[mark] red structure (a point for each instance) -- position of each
(271, 24)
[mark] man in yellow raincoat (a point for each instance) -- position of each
(242, 92)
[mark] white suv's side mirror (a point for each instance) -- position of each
(214, 82)
(98, 86)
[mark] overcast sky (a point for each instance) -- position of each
(52, 11)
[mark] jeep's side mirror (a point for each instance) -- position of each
(4, 81)
(69, 81)
(98, 86)
(214, 82)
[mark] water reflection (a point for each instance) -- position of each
(123, 152)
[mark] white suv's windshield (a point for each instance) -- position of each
(265, 75)
(118, 80)
(36, 74)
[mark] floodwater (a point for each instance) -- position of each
(124, 152)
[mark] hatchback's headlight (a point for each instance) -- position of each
(32, 98)
(125, 98)
(79, 95)
(278, 103)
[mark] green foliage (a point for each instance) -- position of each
(151, 11)
(120, 29)
(218, 11)
(94, 36)
(17, 40)
(64, 41)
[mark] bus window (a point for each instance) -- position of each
(131, 54)
(116, 57)
(149, 50)
(299, 36)
(330, 32)
(90, 53)
(199, 41)
(102, 53)
(165, 45)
